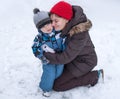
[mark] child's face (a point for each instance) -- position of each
(47, 28)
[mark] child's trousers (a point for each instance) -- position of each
(50, 73)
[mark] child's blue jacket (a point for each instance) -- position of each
(53, 40)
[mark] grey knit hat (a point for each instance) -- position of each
(40, 18)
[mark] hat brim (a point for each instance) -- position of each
(43, 22)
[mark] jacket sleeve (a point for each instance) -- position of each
(38, 51)
(72, 50)
(36, 48)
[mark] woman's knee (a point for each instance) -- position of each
(57, 86)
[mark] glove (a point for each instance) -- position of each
(44, 60)
(46, 48)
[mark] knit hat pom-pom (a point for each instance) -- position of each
(36, 10)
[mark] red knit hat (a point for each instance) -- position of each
(62, 9)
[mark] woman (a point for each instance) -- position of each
(79, 57)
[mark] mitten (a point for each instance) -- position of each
(46, 48)
(44, 60)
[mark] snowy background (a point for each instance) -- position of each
(20, 71)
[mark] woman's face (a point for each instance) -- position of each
(58, 22)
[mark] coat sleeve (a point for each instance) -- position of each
(36, 48)
(72, 50)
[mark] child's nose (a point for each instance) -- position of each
(53, 24)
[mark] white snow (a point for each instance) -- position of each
(20, 71)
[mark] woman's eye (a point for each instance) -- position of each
(56, 21)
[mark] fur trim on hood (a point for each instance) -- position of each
(81, 27)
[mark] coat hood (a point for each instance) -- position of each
(81, 27)
(78, 18)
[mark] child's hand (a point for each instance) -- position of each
(44, 60)
(46, 48)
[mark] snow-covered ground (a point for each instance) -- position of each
(20, 71)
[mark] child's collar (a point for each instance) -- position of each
(46, 34)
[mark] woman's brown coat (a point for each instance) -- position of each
(79, 57)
